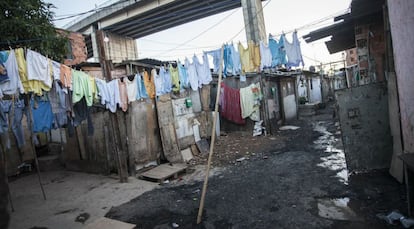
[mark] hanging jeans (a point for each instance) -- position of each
(6, 109)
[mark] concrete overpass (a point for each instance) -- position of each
(138, 18)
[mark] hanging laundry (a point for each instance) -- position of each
(249, 57)
(293, 51)
(158, 82)
(175, 78)
(55, 70)
(228, 60)
(13, 85)
(265, 55)
(15, 108)
(66, 76)
(103, 91)
(278, 51)
(149, 84)
(230, 105)
(182, 72)
(42, 114)
(38, 67)
(132, 88)
(250, 101)
(232, 64)
(123, 95)
(203, 71)
(93, 88)
(216, 54)
(34, 86)
(113, 89)
(3, 73)
(58, 102)
(82, 112)
(142, 92)
(236, 60)
(192, 74)
(166, 78)
(82, 87)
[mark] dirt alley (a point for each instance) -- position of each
(292, 179)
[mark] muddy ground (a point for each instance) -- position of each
(292, 179)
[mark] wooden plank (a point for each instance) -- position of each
(203, 146)
(164, 171)
(81, 142)
(106, 223)
(396, 167)
(167, 129)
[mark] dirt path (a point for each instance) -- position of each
(296, 179)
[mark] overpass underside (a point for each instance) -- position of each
(139, 18)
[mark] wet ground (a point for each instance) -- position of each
(294, 179)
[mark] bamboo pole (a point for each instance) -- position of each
(33, 148)
(213, 138)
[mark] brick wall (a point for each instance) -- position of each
(78, 46)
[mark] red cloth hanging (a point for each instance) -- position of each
(230, 105)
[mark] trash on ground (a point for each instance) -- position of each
(289, 128)
(394, 217)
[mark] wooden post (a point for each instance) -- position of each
(33, 147)
(106, 71)
(213, 138)
(3, 162)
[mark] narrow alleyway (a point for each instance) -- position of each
(300, 182)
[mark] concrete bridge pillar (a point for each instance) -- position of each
(254, 20)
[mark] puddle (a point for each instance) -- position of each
(336, 209)
(335, 160)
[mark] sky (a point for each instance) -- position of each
(211, 32)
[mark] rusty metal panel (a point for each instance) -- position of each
(364, 119)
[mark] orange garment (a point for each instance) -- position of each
(123, 95)
(66, 76)
(149, 83)
(250, 57)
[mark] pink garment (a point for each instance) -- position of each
(123, 93)
(230, 105)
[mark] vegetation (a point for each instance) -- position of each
(28, 23)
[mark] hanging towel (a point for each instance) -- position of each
(166, 79)
(266, 56)
(175, 78)
(123, 95)
(249, 57)
(192, 74)
(142, 92)
(103, 91)
(293, 51)
(278, 51)
(34, 86)
(42, 115)
(182, 72)
(13, 85)
(158, 82)
(66, 76)
(203, 71)
(132, 89)
(113, 88)
(250, 101)
(230, 105)
(149, 84)
(216, 59)
(82, 87)
(38, 67)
